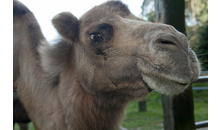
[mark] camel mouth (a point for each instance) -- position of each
(161, 78)
(184, 84)
(156, 79)
(164, 85)
(147, 86)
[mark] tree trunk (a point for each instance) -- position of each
(178, 112)
(174, 14)
(194, 20)
(158, 4)
(142, 106)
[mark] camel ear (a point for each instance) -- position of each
(67, 25)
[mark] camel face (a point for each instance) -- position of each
(116, 51)
(166, 63)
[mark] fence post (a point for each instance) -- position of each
(178, 111)
(142, 105)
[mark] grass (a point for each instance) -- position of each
(200, 102)
(153, 118)
(17, 128)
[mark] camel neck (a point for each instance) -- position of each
(91, 111)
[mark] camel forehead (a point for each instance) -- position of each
(110, 8)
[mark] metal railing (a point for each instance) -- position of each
(202, 79)
(201, 124)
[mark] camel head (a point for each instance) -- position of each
(114, 51)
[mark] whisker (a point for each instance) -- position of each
(202, 54)
(189, 36)
(184, 95)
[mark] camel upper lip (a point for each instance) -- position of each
(182, 83)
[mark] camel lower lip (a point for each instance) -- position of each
(148, 87)
(184, 84)
(164, 85)
(169, 80)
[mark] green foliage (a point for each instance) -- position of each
(151, 16)
(150, 120)
(148, 14)
(31, 126)
(202, 49)
(201, 11)
(153, 118)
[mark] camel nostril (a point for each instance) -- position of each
(166, 42)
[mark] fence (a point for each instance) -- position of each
(142, 106)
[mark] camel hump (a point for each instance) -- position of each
(19, 8)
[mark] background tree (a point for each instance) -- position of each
(148, 10)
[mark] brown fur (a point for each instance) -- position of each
(84, 84)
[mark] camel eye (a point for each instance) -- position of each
(96, 37)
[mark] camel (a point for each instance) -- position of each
(103, 61)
